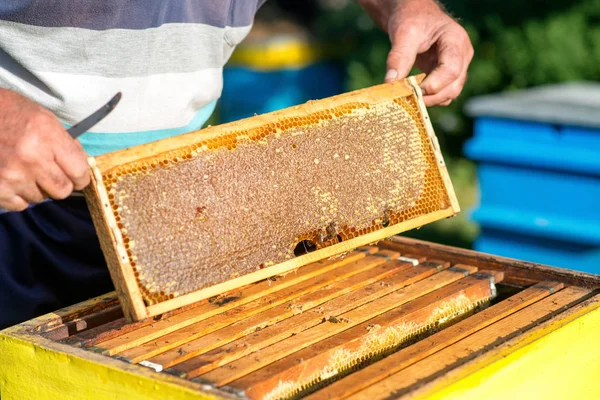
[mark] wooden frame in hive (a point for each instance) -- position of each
(191, 217)
(257, 344)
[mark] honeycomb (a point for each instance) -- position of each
(227, 206)
(379, 342)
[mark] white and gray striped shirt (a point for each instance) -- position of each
(166, 57)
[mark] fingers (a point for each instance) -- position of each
(18, 184)
(34, 182)
(57, 155)
(41, 163)
(54, 183)
(450, 66)
(73, 162)
(38, 157)
(446, 80)
(18, 198)
(31, 193)
(405, 47)
(16, 181)
(424, 35)
(9, 181)
(15, 203)
(446, 95)
(54, 163)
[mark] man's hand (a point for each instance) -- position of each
(422, 34)
(38, 158)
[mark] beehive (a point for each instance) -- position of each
(187, 218)
(401, 320)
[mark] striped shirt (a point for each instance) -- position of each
(165, 56)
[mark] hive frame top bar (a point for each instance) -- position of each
(112, 242)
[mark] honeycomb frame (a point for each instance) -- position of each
(112, 209)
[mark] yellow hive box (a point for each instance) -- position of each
(402, 319)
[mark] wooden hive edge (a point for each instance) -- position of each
(520, 273)
(57, 319)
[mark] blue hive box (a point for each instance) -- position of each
(538, 155)
(248, 91)
(279, 66)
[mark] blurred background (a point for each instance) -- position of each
(317, 48)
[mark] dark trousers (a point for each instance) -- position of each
(49, 258)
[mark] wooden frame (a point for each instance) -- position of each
(516, 345)
(520, 273)
(112, 241)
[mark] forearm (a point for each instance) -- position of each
(381, 10)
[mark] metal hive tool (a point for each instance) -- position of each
(190, 217)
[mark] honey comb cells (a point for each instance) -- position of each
(243, 200)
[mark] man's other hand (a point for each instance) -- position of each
(38, 158)
(422, 34)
